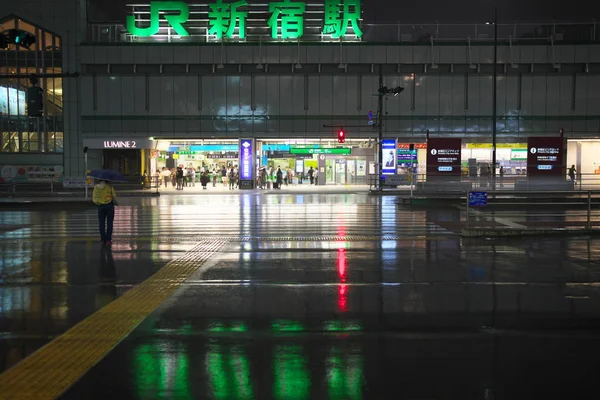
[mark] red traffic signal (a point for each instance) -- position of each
(341, 136)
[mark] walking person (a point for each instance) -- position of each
(192, 176)
(501, 176)
(316, 176)
(572, 172)
(278, 178)
(105, 198)
(224, 176)
(174, 177)
(179, 177)
(231, 178)
(311, 172)
(204, 179)
(215, 174)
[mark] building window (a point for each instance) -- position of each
(10, 142)
(20, 133)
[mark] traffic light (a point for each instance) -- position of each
(341, 136)
(19, 37)
(35, 101)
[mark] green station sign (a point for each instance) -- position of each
(294, 150)
(236, 20)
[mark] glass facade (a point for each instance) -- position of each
(20, 133)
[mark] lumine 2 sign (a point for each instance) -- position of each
(229, 19)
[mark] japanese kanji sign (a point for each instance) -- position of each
(239, 20)
(287, 19)
(223, 18)
(338, 16)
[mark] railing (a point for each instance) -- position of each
(589, 217)
(56, 187)
(393, 33)
(508, 183)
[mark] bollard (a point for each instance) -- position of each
(589, 211)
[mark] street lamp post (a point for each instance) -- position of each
(494, 98)
(381, 92)
(380, 128)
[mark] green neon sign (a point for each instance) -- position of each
(223, 18)
(338, 16)
(345, 151)
(288, 17)
(176, 21)
(228, 19)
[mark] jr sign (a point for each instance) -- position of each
(287, 19)
(175, 20)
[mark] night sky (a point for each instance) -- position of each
(443, 11)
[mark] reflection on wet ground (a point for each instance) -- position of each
(322, 296)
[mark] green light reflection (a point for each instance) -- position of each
(342, 326)
(229, 371)
(282, 325)
(292, 379)
(161, 371)
(344, 375)
(234, 326)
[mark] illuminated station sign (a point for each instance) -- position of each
(239, 21)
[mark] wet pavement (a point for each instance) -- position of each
(338, 296)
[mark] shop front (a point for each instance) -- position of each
(200, 156)
(584, 154)
(336, 165)
(128, 156)
(478, 156)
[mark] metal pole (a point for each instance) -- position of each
(467, 204)
(85, 174)
(380, 127)
(589, 211)
(495, 98)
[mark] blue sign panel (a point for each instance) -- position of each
(388, 151)
(477, 199)
(215, 147)
(276, 147)
(407, 156)
(246, 168)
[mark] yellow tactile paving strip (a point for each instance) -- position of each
(51, 370)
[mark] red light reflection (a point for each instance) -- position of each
(343, 288)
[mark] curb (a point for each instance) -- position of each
(511, 232)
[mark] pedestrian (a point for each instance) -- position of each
(572, 172)
(278, 178)
(105, 199)
(501, 176)
(224, 176)
(231, 178)
(215, 174)
(311, 172)
(316, 176)
(179, 176)
(204, 179)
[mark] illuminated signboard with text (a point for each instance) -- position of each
(443, 157)
(246, 164)
(388, 153)
(324, 20)
(545, 157)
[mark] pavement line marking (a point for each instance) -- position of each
(51, 370)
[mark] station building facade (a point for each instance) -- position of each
(151, 91)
